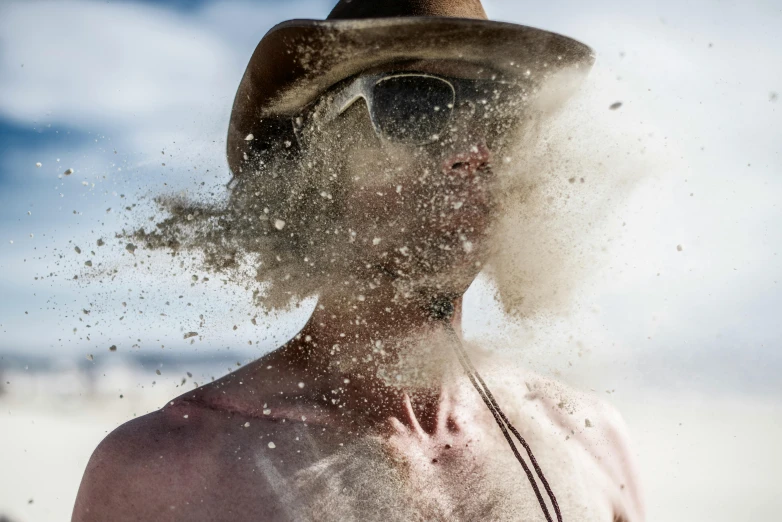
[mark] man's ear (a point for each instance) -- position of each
(269, 136)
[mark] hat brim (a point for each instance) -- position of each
(300, 59)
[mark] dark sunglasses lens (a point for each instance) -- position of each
(412, 109)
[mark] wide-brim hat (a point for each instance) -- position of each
(298, 60)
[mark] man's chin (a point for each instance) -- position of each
(425, 289)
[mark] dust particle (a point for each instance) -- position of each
(77, 250)
(68, 172)
(130, 247)
(272, 445)
(587, 423)
(614, 106)
(679, 248)
(38, 165)
(191, 334)
(90, 357)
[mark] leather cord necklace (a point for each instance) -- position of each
(505, 426)
(442, 309)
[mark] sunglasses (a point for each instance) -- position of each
(409, 108)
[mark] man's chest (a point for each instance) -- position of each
(303, 473)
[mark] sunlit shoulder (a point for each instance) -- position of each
(595, 431)
(166, 465)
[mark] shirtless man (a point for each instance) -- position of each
(390, 129)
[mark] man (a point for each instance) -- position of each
(368, 154)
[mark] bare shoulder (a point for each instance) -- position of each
(599, 429)
(124, 476)
(165, 466)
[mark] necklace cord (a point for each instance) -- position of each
(505, 424)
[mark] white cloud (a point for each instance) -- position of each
(85, 64)
(141, 79)
(698, 76)
(154, 79)
(144, 73)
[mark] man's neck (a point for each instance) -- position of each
(367, 351)
(355, 323)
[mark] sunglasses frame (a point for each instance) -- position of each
(334, 104)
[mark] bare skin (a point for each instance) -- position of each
(366, 414)
(207, 454)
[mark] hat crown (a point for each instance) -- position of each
(354, 9)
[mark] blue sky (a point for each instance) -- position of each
(154, 81)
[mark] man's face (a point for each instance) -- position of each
(419, 211)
